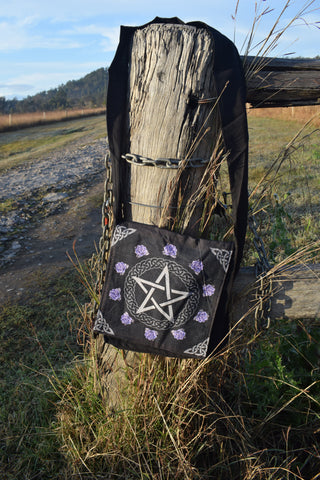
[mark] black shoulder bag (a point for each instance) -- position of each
(166, 293)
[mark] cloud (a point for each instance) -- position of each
(12, 36)
(109, 36)
(19, 36)
(31, 33)
(70, 10)
(15, 90)
(18, 87)
(44, 76)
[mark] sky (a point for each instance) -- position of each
(45, 43)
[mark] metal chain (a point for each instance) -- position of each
(105, 239)
(263, 292)
(163, 162)
(107, 219)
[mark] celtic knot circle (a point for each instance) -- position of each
(180, 275)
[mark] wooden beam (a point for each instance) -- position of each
(277, 82)
(295, 293)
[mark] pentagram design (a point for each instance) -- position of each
(161, 293)
(153, 287)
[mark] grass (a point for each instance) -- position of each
(292, 114)
(32, 143)
(38, 340)
(288, 202)
(249, 413)
(7, 205)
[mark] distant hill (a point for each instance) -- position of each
(87, 92)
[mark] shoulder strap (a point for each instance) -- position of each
(230, 84)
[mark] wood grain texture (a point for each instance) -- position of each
(295, 293)
(277, 82)
(169, 64)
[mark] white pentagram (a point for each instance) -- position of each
(150, 303)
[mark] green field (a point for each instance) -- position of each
(252, 413)
(290, 198)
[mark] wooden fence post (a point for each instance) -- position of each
(279, 82)
(167, 63)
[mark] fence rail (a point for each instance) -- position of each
(277, 82)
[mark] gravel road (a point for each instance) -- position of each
(53, 203)
(61, 169)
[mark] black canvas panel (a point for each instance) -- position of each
(162, 290)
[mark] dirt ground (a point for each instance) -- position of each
(44, 247)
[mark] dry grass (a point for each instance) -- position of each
(296, 114)
(251, 412)
(20, 120)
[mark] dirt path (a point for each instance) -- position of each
(48, 220)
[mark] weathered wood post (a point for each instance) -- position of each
(169, 63)
(170, 114)
(279, 82)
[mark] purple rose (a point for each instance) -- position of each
(170, 250)
(208, 290)
(150, 334)
(196, 266)
(178, 334)
(115, 294)
(121, 267)
(201, 316)
(140, 251)
(126, 319)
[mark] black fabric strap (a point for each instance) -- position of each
(230, 85)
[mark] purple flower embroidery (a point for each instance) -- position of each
(115, 294)
(170, 250)
(150, 334)
(201, 316)
(121, 267)
(126, 319)
(196, 266)
(208, 290)
(140, 251)
(178, 334)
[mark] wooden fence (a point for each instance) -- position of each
(273, 86)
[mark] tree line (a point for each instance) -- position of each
(87, 92)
